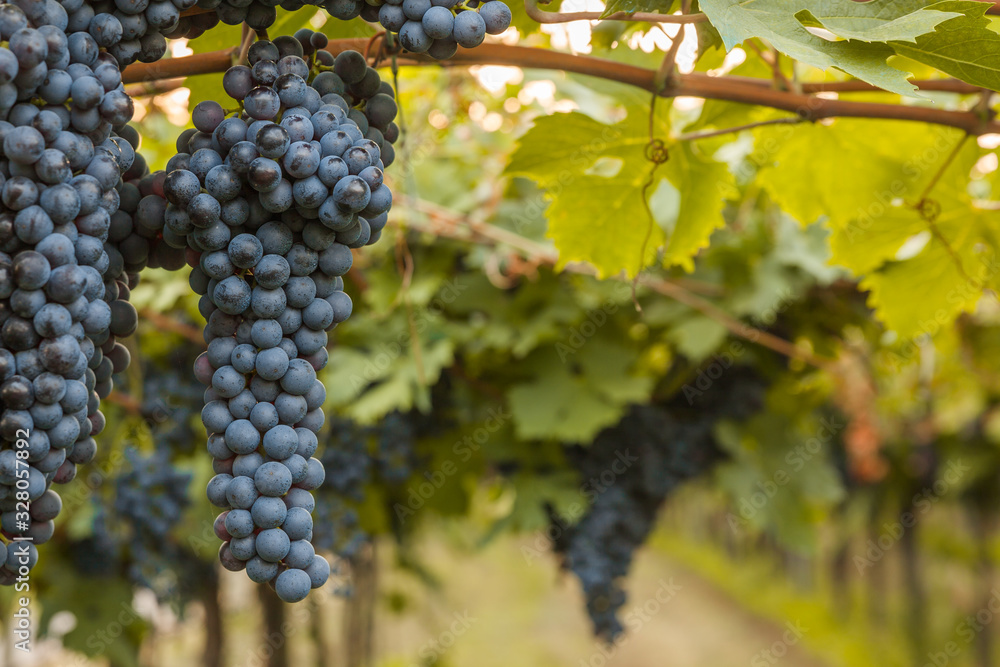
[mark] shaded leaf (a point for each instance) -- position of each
(879, 21)
(775, 22)
(964, 47)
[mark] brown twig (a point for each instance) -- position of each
(665, 74)
(735, 326)
(153, 87)
(944, 85)
(249, 36)
(128, 403)
(167, 323)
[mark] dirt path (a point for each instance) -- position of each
(495, 609)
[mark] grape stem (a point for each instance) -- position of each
(773, 60)
(247, 40)
(729, 88)
(695, 136)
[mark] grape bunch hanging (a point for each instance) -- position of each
(63, 287)
(273, 222)
(265, 200)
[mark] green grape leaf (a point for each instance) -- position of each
(950, 271)
(703, 186)
(963, 47)
(633, 6)
(573, 141)
(557, 405)
(289, 22)
(945, 291)
(865, 247)
(775, 21)
(947, 261)
(596, 178)
(879, 21)
(594, 175)
(849, 169)
(603, 221)
(578, 389)
(821, 170)
(220, 37)
(867, 195)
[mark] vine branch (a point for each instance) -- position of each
(669, 65)
(695, 84)
(167, 323)
(153, 87)
(447, 224)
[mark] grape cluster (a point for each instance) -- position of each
(349, 463)
(172, 400)
(434, 27)
(258, 14)
(356, 456)
(135, 526)
(268, 204)
(64, 145)
(321, 163)
(137, 228)
(268, 305)
(149, 501)
(657, 447)
(396, 455)
(129, 30)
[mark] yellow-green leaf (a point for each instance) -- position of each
(704, 186)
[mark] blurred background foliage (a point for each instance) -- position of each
(795, 547)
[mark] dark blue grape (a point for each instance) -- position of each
(470, 29)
